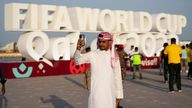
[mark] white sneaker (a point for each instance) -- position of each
(171, 92)
(179, 91)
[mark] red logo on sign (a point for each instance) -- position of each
(76, 69)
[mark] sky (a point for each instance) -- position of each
(178, 7)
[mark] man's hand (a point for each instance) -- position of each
(80, 43)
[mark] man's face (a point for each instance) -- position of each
(104, 44)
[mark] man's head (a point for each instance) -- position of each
(104, 41)
(190, 45)
(136, 49)
(121, 46)
(165, 45)
(187, 45)
(132, 46)
(173, 40)
(183, 47)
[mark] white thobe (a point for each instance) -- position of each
(106, 82)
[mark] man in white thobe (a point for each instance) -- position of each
(106, 83)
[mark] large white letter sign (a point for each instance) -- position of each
(147, 44)
(121, 21)
(46, 13)
(130, 22)
(172, 23)
(160, 40)
(33, 45)
(84, 18)
(58, 49)
(182, 22)
(15, 15)
(141, 29)
(92, 19)
(145, 22)
(31, 19)
(160, 23)
(130, 39)
(107, 20)
(61, 19)
(73, 37)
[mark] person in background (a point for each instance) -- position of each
(123, 60)
(87, 72)
(106, 88)
(137, 63)
(130, 57)
(3, 81)
(82, 38)
(173, 52)
(164, 63)
(189, 75)
(188, 56)
(23, 59)
(184, 59)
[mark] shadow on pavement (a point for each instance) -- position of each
(150, 79)
(3, 101)
(185, 85)
(143, 83)
(74, 81)
(158, 81)
(148, 85)
(151, 72)
(56, 101)
(183, 77)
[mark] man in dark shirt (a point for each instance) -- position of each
(164, 60)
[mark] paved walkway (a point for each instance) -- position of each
(68, 92)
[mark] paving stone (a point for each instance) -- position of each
(68, 92)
